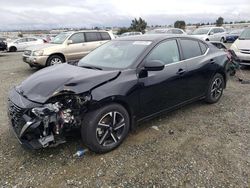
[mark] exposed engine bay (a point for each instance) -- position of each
(46, 125)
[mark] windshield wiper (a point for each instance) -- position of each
(91, 67)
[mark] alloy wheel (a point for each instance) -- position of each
(217, 88)
(110, 128)
(56, 61)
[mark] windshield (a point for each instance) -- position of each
(245, 34)
(201, 31)
(59, 39)
(114, 54)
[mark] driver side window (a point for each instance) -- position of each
(167, 52)
(21, 40)
(77, 38)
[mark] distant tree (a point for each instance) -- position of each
(180, 24)
(231, 22)
(138, 25)
(219, 21)
(20, 34)
(96, 28)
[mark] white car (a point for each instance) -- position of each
(167, 31)
(211, 34)
(130, 34)
(22, 43)
(241, 47)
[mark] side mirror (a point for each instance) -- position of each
(211, 33)
(154, 65)
(69, 42)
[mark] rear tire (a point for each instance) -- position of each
(215, 89)
(105, 129)
(54, 60)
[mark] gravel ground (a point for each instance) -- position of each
(199, 145)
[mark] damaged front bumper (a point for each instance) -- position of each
(20, 121)
(33, 123)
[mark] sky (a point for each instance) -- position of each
(47, 14)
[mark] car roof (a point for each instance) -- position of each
(153, 37)
(71, 32)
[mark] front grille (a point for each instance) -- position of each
(27, 52)
(16, 115)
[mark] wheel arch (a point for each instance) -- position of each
(116, 100)
(13, 46)
(59, 54)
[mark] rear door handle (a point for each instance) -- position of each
(212, 61)
(181, 71)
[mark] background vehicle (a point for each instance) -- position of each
(130, 34)
(210, 33)
(22, 43)
(233, 35)
(121, 83)
(241, 47)
(65, 47)
(3, 44)
(167, 31)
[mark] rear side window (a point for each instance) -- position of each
(77, 38)
(167, 52)
(105, 36)
(92, 36)
(203, 47)
(190, 48)
(32, 39)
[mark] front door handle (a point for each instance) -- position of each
(180, 71)
(212, 61)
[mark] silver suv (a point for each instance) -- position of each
(65, 47)
(210, 34)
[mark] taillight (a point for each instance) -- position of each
(229, 55)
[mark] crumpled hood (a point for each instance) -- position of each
(243, 44)
(43, 84)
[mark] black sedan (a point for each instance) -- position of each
(121, 83)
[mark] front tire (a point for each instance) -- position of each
(54, 60)
(105, 129)
(12, 49)
(215, 89)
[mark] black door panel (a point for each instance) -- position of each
(163, 89)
